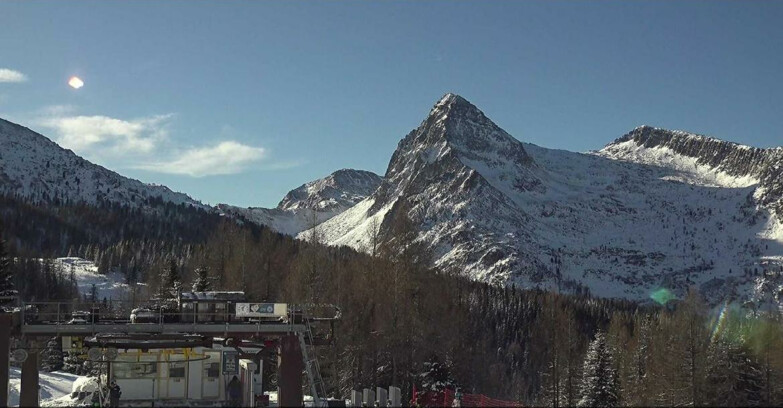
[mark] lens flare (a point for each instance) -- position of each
(662, 296)
(720, 322)
(75, 82)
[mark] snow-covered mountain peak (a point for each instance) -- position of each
(447, 100)
(335, 192)
(456, 137)
(454, 123)
(314, 202)
(651, 136)
(656, 208)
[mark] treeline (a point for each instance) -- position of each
(32, 278)
(55, 228)
(407, 324)
(403, 322)
(39, 280)
(683, 354)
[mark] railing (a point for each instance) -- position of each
(163, 311)
(212, 318)
(95, 313)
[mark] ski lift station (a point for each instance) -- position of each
(175, 352)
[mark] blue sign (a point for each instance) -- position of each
(230, 362)
(262, 308)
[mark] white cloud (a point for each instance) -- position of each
(228, 157)
(103, 135)
(9, 75)
(144, 144)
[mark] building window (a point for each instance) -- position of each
(212, 370)
(122, 367)
(134, 370)
(176, 370)
(127, 366)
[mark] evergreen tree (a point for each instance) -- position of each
(52, 356)
(735, 378)
(6, 272)
(600, 387)
(202, 283)
(172, 273)
(73, 362)
(172, 282)
(436, 376)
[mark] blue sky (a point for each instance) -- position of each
(240, 102)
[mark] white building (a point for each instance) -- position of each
(199, 374)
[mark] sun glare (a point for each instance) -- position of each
(75, 82)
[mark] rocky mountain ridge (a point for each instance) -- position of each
(312, 203)
(655, 209)
(764, 165)
(37, 169)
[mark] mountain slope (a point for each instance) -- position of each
(35, 168)
(312, 203)
(622, 222)
(762, 166)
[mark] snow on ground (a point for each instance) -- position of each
(111, 286)
(54, 386)
(353, 228)
(624, 221)
(690, 170)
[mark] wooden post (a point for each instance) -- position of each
(5, 348)
(290, 366)
(29, 395)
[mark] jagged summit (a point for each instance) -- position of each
(335, 193)
(465, 127)
(455, 134)
(729, 157)
(651, 136)
(450, 99)
(313, 202)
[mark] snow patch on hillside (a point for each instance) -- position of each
(689, 169)
(111, 285)
(353, 228)
(312, 203)
(623, 221)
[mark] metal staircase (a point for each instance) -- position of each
(313, 369)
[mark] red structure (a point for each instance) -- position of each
(445, 398)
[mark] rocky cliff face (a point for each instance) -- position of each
(653, 209)
(764, 165)
(456, 137)
(459, 175)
